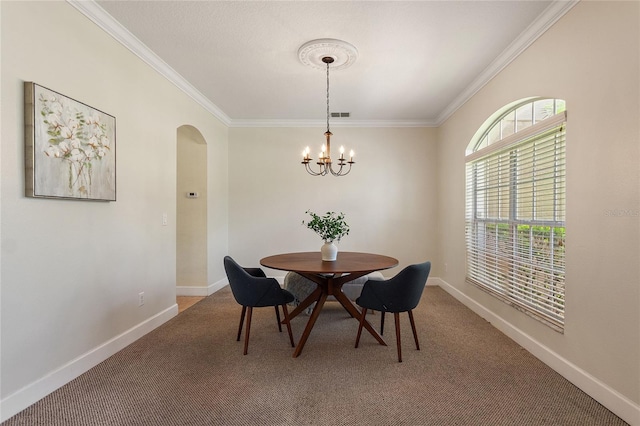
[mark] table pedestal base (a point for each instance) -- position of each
(328, 286)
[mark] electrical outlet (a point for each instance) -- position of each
(141, 298)
(446, 267)
(165, 219)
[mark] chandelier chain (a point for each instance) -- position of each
(328, 96)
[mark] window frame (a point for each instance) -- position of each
(514, 279)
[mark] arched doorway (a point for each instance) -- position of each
(191, 213)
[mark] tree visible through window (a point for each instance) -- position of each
(515, 208)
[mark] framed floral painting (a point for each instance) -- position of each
(70, 147)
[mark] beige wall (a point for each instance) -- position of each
(590, 58)
(389, 198)
(71, 270)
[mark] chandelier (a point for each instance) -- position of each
(327, 51)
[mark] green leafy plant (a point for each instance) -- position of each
(331, 226)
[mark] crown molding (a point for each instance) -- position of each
(556, 10)
(101, 18)
(336, 122)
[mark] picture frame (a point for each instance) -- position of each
(70, 147)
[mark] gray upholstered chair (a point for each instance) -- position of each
(252, 289)
(401, 293)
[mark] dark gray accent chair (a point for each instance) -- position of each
(252, 289)
(401, 293)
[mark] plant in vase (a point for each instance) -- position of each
(331, 227)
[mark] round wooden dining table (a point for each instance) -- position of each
(330, 276)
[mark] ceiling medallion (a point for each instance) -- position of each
(343, 53)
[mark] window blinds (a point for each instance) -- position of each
(515, 219)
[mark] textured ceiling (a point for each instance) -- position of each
(417, 59)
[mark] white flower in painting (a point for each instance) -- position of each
(105, 142)
(89, 154)
(66, 132)
(64, 147)
(101, 152)
(93, 141)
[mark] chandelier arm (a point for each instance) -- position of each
(339, 172)
(313, 172)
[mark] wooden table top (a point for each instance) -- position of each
(311, 262)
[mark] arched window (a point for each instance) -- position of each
(515, 208)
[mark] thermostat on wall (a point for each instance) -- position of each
(192, 195)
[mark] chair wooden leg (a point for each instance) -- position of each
(244, 310)
(397, 318)
(286, 318)
(413, 328)
(248, 329)
(278, 318)
(364, 314)
(381, 323)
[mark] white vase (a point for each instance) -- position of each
(329, 251)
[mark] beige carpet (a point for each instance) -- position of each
(191, 371)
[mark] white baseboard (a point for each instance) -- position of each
(23, 398)
(183, 290)
(433, 281)
(218, 285)
(610, 398)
